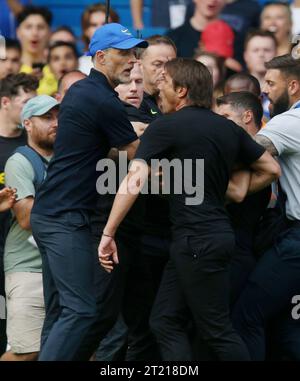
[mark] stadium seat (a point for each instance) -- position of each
(68, 12)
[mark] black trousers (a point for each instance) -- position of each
(196, 286)
(241, 266)
(126, 289)
(113, 347)
(154, 254)
(268, 294)
(156, 251)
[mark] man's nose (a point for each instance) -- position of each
(54, 123)
(35, 31)
(133, 87)
(264, 88)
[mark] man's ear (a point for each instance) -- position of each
(27, 125)
(181, 91)
(5, 101)
(293, 87)
(247, 116)
(99, 57)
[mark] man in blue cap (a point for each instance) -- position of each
(92, 120)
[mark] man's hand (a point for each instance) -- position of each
(139, 127)
(7, 198)
(108, 254)
(233, 64)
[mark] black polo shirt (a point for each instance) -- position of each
(196, 133)
(157, 221)
(149, 109)
(91, 120)
(134, 114)
(245, 217)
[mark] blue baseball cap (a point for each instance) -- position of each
(38, 106)
(116, 36)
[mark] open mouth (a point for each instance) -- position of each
(34, 43)
(63, 72)
(211, 7)
(133, 98)
(272, 28)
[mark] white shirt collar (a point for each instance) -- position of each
(295, 105)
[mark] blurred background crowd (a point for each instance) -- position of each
(45, 46)
(235, 35)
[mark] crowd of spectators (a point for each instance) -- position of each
(250, 52)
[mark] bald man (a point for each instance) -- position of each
(66, 81)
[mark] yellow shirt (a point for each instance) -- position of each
(48, 84)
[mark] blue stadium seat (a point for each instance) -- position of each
(263, 2)
(68, 12)
(151, 30)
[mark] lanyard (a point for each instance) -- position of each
(297, 106)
